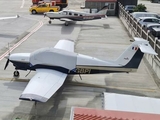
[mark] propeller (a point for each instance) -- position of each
(44, 14)
(6, 64)
(7, 57)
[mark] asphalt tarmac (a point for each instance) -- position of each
(105, 39)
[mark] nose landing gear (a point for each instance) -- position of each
(16, 74)
(49, 21)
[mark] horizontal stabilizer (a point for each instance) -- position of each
(144, 46)
(133, 55)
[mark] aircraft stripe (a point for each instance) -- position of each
(69, 17)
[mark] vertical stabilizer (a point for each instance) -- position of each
(103, 11)
(133, 55)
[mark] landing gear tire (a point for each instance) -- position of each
(50, 22)
(66, 23)
(51, 11)
(16, 74)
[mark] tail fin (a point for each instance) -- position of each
(133, 55)
(103, 11)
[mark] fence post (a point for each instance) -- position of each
(155, 43)
(141, 31)
(148, 31)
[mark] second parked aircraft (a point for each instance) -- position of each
(72, 15)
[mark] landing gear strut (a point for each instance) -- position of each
(49, 21)
(16, 74)
(66, 23)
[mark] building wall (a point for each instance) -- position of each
(128, 2)
(112, 11)
(99, 5)
(125, 2)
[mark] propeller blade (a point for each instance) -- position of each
(44, 14)
(6, 64)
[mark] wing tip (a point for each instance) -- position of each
(68, 39)
(32, 97)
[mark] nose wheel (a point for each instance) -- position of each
(16, 74)
(49, 21)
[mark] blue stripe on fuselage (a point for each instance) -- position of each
(28, 66)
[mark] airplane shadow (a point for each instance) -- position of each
(12, 84)
(69, 29)
(87, 25)
(52, 109)
(65, 29)
(56, 106)
(8, 36)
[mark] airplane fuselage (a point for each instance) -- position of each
(81, 18)
(77, 70)
(75, 16)
(66, 62)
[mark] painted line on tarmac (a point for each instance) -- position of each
(22, 5)
(22, 40)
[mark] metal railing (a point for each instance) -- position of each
(139, 31)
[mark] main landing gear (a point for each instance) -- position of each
(49, 21)
(66, 23)
(16, 74)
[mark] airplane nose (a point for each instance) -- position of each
(7, 57)
(7, 62)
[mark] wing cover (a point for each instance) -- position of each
(66, 19)
(67, 45)
(43, 85)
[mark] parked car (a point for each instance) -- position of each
(156, 32)
(130, 8)
(44, 7)
(154, 29)
(136, 15)
(151, 26)
(144, 21)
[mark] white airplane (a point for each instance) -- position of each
(72, 15)
(4, 18)
(52, 65)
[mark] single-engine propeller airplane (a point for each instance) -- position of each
(52, 65)
(4, 18)
(71, 15)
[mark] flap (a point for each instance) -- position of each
(43, 85)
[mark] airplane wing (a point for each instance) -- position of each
(43, 85)
(4, 18)
(67, 45)
(66, 19)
